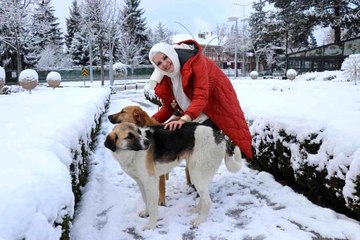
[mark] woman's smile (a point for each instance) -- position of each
(163, 62)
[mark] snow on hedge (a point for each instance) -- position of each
(328, 107)
(38, 132)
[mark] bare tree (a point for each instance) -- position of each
(15, 24)
(99, 16)
(130, 52)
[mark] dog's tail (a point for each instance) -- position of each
(233, 157)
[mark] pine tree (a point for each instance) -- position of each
(79, 50)
(161, 34)
(46, 34)
(73, 23)
(341, 15)
(15, 25)
(134, 26)
(262, 27)
(46, 28)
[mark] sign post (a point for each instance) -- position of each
(84, 73)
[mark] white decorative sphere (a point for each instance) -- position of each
(2, 77)
(120, 69)
(28, 79)
(53, 79)
(291, 74)
(254, 74)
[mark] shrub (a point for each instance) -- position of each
(351, 67)
(254, 74)
(53, 79)
(291, 74)
(28, 79)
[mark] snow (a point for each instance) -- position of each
(208, 39)
(291, 74)
(54, 76)
(351, 67)
(38, 132)
(2, 74)
(28, 75)
(39, 129)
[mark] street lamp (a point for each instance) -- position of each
(243, 6)
(235, 19)
(204, 50)
(185, 29)
(243, 46)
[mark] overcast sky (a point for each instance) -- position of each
(196, 16)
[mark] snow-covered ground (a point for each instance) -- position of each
(246, 205)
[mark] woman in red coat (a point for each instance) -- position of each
(187, 81)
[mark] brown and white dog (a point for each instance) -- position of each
(136, 115)
(147, 153)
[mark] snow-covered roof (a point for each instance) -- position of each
(210, 39)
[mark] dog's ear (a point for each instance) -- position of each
(139, 117)
(110, 142)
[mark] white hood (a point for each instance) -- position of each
(169, 51)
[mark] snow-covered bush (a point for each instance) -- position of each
(28, 79)
(2, 77)
(351, 67)
(254, 74)
(335, 76)
(53, 79)
(120, 69)
(291, 74)
(294, 160)
(150, 94)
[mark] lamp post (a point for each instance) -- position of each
(185, 29)
(243, 6)
(243, 45)
(204, 50)
(235, 19)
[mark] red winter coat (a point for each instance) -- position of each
(210, 92)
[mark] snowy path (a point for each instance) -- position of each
(247, 205)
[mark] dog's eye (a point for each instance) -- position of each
(130, 136)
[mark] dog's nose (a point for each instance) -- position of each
(146, 143)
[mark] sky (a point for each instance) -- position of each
(38, 131)
(196, 16)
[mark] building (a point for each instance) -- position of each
(215, 51)
(327, 57)
(209, 43)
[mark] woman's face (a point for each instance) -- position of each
(163, 62)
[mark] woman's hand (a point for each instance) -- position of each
(173, 125)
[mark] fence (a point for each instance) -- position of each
(75, 74)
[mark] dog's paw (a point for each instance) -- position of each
(161, 203)
(143, 214)
(196, 221)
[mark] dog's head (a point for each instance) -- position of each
(126, 136)
(130, 114)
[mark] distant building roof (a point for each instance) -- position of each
(202, 38)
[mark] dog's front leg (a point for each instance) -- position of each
(144, 213)
(151, 188)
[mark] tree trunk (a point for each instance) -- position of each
(102, 62)
(337, 29)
